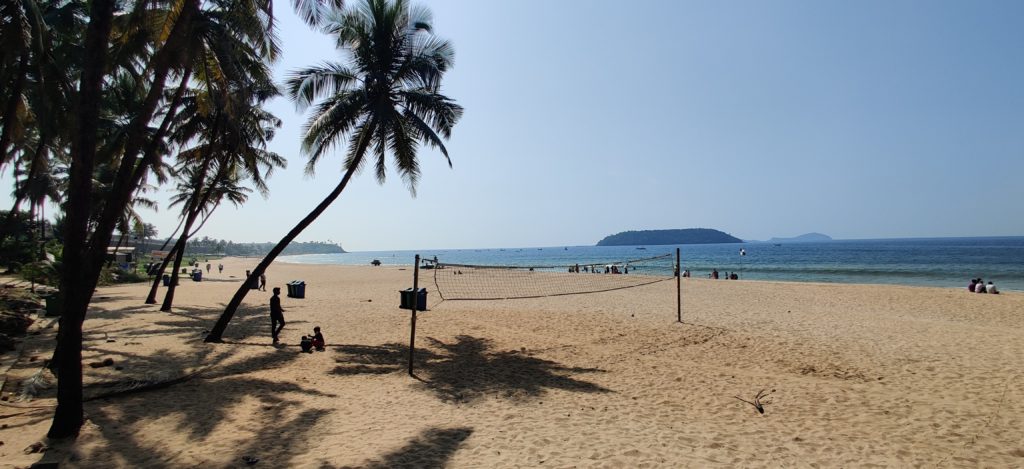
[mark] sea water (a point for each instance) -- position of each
(938, 262)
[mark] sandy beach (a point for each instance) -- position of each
(855, 375)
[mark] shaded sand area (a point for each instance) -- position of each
(856, 375)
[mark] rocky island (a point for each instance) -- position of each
(662, 237)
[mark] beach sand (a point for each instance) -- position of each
(857, 375)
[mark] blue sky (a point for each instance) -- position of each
(584, 118)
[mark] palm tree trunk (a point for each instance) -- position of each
(217, 333)
(169, 238)
(77, 283)
(197, 209)
(151, 299)
(169, 296)
(130, 174)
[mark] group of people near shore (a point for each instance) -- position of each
(727, 276)
(608, 269)
(978, 285)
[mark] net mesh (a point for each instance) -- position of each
(493, 282)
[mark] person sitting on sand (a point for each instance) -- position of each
(980, 287)
(318, 339)
(306, 344)
(991, 288)
(974, 283)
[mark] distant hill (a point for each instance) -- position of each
(804, 238)
(207, 245)
(658, 237)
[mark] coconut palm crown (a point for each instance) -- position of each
(386, 98)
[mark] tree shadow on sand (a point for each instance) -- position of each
(467, 370)
(210, 400)
(250, 326)
(432, 448)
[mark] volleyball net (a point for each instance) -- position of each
(498, 282)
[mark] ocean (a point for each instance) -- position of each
(936, 262)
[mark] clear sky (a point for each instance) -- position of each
(868, 119)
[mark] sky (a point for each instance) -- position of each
(868, 119)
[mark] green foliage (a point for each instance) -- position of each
(21, 245)
(43, 272)
(114, 275)
(206, 245)
(46, 271)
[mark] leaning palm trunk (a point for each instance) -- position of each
(387, 101)
(151, 298)
(217, 333)
(171, 286)
(191, 213)
(197, 209)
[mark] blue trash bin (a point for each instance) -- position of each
(296, 289)
(197, 275)
(167, 280)
(410, 297)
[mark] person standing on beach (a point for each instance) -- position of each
(276, 314)
(220, 268)
(263, 283)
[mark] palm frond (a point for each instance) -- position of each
(307, 85)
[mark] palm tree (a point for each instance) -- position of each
(158, 53)
(386, 99)
(232, 147)
(203, 203)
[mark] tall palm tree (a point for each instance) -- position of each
(167, 28)
(385, 99)
(232, 135)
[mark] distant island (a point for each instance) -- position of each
(661, 237)
(804, 238)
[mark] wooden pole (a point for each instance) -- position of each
(679, 288)
(415, 306)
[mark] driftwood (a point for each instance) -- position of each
(757, 400)
(135, 386)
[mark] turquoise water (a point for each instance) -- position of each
(939, 262)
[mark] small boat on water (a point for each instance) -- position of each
(642, 249)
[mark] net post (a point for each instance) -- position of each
(415, 306)
(679, 289)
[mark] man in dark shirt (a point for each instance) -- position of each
(276, 314)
